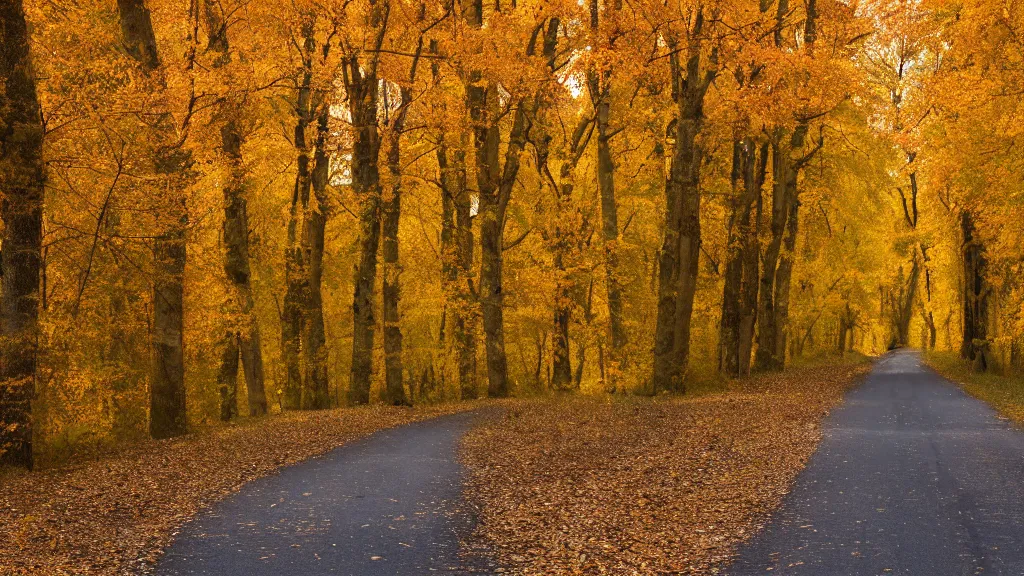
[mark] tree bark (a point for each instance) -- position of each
(457, 263)
(739, 295)
(394, 389)
(600, 94)
(24, 178)
(236, 237)
(783, 277)
(362, 84)
(172, 163)
(316, 391)
(974, 345)
(295, 273)
(680, 249)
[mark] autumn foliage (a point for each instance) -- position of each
(219, 208)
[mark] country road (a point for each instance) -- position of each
(913, 477)
(389, 504)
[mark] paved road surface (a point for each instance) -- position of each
(386, 505)
(913, 477)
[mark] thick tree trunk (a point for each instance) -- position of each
(751, 247)
(167, 387)
(172, 163)
(362, 94)
(680, 250)
(974, 345)
(24, 177)
(561, 363)
(729, 322)
(484, 112)
(236, 239)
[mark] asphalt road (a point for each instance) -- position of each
(913, 477)
(389, 504)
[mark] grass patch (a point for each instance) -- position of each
(1005, 393)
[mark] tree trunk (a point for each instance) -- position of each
(394, 390)
(751, 246)
(227, 377)
(362, 94)
(456, 264)
(783, 277)
(295, 274)
(316, 392)
(172, 163)
(974, 346)
(21, 155)
(767, 333)
(600, 95)
(681, 245)
(739, 298)
(494, 185)
(236, 236)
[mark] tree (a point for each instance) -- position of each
(680, 249)
(171, 163)
(22, 180)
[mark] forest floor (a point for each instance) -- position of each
(113, 514)
(1005, 393)
(625, 485)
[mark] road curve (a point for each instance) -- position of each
(389, 504)
(913, 477)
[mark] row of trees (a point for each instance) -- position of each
(611, 194)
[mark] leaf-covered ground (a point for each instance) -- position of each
(113, 515)
(584, 485)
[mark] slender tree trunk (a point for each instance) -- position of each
(457, 262)
(600, 94)
(296, 276)
(173, 164)
(21, 156)
(227, 377)
(783, 277)
(974, 345)
(494, 185)
(680, 250)
(394, 390)
(317, 392)
(564, 241)
(236, 238)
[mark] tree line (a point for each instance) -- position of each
(323, 199)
